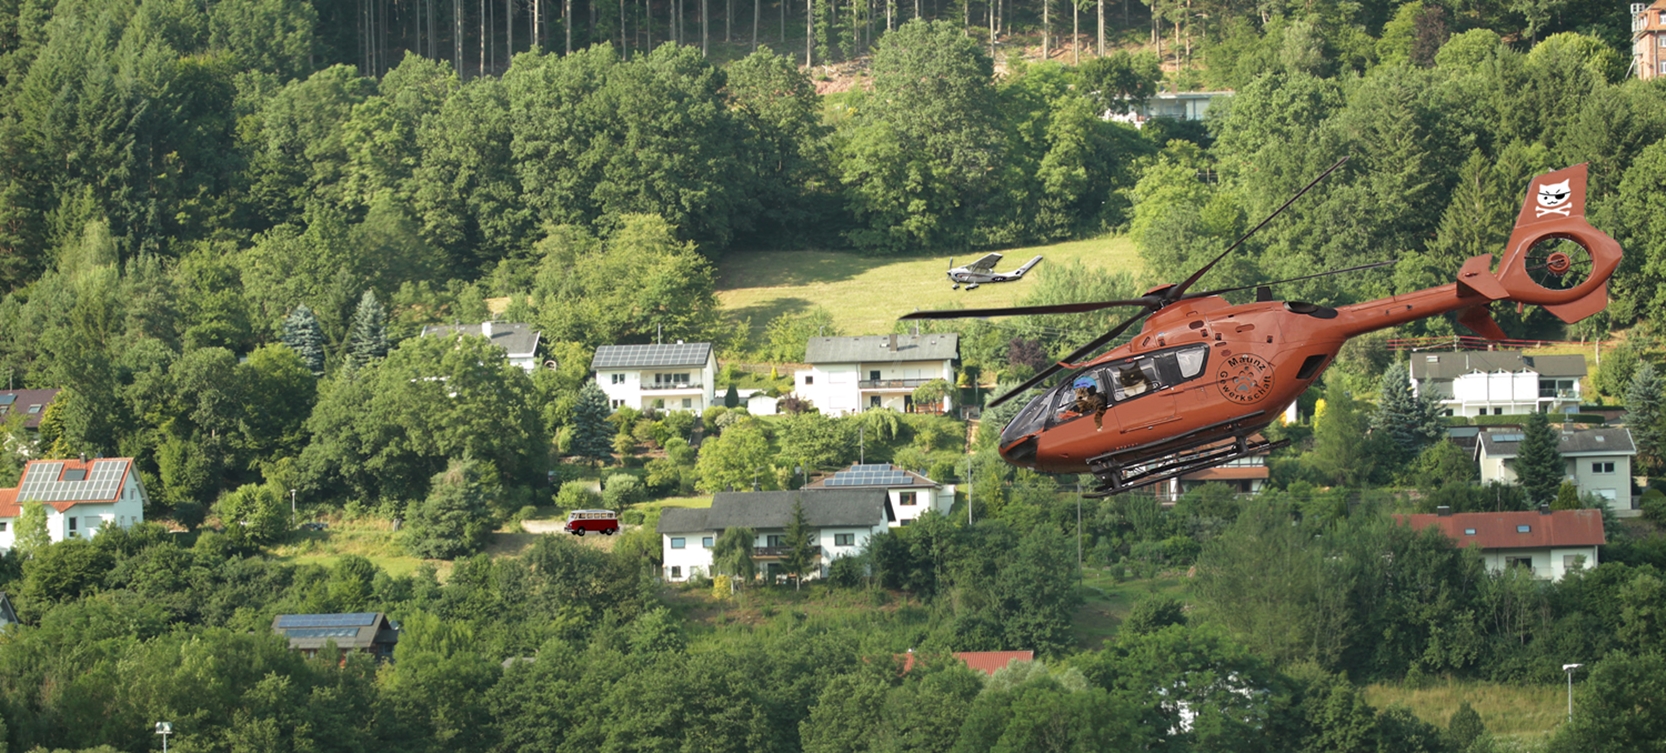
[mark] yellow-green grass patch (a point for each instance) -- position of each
(866, 294)
(1514, 711)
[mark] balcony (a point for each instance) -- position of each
(652, 386)
(780, 551)
(890, 384)
(1546, 393)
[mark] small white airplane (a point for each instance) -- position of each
(983, 270)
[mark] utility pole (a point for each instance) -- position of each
(1101, 28)
(1569, 668)
(1078, 525)
(1045, 29)
(1075, 33)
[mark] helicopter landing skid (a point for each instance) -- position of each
(1116, 480)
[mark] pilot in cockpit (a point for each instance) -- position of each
(1089, 399)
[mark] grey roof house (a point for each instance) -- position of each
(1498, 383)
(841, 521)
(369, 632)
(518, 340)
(851, 374)
(1598, 461)
(669, 376)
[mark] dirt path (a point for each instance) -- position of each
(553, 528)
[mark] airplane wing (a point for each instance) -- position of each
(985, 264)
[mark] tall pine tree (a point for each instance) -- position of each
(368, 339)
(1410, 421)
(303, 335)
(591, 436)
(800, 545)
(1643, 416)
(1539, 465)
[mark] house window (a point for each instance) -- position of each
(617, 404)
(906, 522)
(809, 379)
(72, 522)
(1447, 412)
(905, 499)
(1526, 562)
(1469, 532)
(677, 542)
(34, 409)
(1602, 467)
(617, 378)
(873, 401)
(1524, 528)
(706, 542)
(1663, 66)
(75, 474)
(676, 571)
(1573, 561)
(1498, 411)
(844, 539)
(873, 376)
(775, 540)
(3, 526)
(688, 402)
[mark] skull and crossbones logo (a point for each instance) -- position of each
(1553, 199)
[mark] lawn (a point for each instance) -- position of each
(865, 294)
(1521, 713)
(376, 541)
(1106, 603)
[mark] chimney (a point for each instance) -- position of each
(83, 457)
(1443, 510)
(1544, 509)
(486, 329)
(893, 345)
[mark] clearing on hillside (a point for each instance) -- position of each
(866, 294)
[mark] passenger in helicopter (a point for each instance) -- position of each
(1133, 381)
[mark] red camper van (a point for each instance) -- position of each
(579, 521)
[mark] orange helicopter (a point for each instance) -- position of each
(1203, 376)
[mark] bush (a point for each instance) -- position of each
(632, 517)
(576, 495)
(1654, 507)
(846, 572)
(454, 520)
(190, 514)
(622, 490)
(1154, 613)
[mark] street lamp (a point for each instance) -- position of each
(164, 729)
(1569, 668)
(291, 508)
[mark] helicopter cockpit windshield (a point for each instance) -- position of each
(1113, 383)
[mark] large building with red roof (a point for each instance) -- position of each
(1550, 543)
(81, 497)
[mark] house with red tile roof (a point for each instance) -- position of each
(987, 662)
(1548, 542)
(82, 497)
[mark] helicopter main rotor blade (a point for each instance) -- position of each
(1220, 291)
(1057, 308)
(1177, 291)
(1085, 350)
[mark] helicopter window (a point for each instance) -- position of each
(1190, 360)
(1080, 397)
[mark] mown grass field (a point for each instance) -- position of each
(1107, 602)
(865, 294)
(1519, 714)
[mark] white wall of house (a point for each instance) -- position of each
(693, 558)
(829, 539)
(911, 503)
(1548, 562)
(1502, 393)
(841, 388)
(638, 388)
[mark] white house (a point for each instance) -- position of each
(1549, 543)
(1246, 475)
(1598, 461)
(841, 522)
(910, 493)
(81, 497)
(851, 374)
(674, 376)
(1498, 383)
(518, 340)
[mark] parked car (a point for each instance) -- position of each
(314, 526)
(604, 521)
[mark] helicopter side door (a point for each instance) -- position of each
(1147, 388)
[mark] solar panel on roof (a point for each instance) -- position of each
(358, 619)
(7, 399)
(322, 632)
(643, 356)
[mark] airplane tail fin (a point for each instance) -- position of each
(1554, 258)
(1027, 266)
